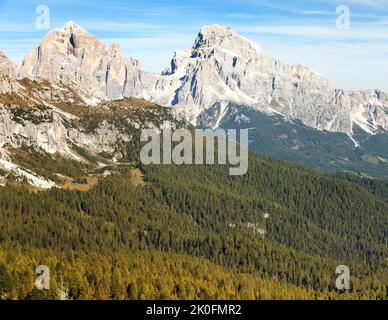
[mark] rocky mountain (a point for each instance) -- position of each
(221, 68)
(71, 118)
(72, 55)
(7, 76)
(75, 97)
(224, 67)
(62, 121)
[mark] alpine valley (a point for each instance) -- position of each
(75, 197)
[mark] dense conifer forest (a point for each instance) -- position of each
(194, 232)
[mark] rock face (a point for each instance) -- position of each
(70, 93)
(30, 117)
(221, 68)
(7, 68)
(7, 75)
(60, 117)
(72, 55)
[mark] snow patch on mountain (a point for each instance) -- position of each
(33, 180)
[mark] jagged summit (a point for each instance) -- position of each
(216, 36)
(215, 27)
(73, 55)
(217, 33)
(72, 26)
(208, 84)
(224, 67)
(221, 68)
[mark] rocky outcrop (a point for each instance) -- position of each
(7, 68)
(7, 75)
(221, 68)
(72, 75)
(225, 68)
(43, 116)
(71, 55)
(67, 121)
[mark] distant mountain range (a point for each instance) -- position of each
(223, 74)
(221, 67)
(112, 228)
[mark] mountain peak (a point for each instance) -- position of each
(72, 27)
(214, 35)
(219, 36)
(74, 56)
(70, 40)
(216, 28)
(222, 68)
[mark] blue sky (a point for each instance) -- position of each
(294, 31)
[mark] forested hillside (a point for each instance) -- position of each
(291, 140)
(376, 186)
(194, 232)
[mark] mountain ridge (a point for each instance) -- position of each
(64, 91)
(280, 231)
(221, 67)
